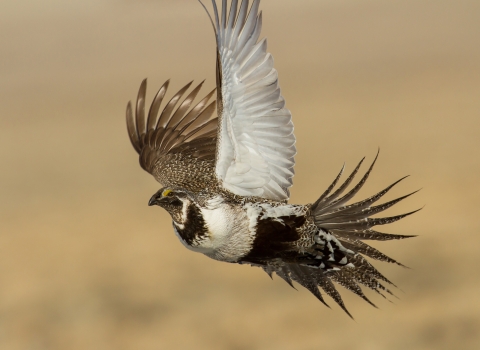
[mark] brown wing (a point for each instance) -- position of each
(178, 146)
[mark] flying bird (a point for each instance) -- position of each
(226, 179)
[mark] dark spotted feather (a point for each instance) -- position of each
(351, 224)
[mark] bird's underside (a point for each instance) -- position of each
(226, 180)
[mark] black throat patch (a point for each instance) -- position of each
(194, 227)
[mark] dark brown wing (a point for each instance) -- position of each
(180, 143)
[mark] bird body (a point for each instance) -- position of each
(228, 229)
(226, 179)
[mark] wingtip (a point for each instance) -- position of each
(166, 84)
(208, 14)
(143, 88)
(186, 87)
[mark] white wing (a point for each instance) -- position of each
(256, 145)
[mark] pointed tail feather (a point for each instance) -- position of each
(348, 226)
(352, 223)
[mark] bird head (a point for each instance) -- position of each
(174, 201)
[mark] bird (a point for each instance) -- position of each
(226, 179)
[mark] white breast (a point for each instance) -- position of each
(219, 222)
(228, 235)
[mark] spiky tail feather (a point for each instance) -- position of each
(351, 225)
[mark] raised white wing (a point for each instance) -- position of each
(256, 145)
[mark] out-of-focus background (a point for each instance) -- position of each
(86, 264)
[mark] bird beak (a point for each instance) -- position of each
(152, 201)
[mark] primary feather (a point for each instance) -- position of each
(256, 145)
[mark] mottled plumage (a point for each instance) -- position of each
(226, 180)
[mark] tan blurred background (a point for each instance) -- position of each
(85, 264)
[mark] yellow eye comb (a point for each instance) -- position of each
(166, 193)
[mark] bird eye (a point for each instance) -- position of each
(168, 193)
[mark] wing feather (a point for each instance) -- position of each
(186, 130)
(255, 143)
(155, 107)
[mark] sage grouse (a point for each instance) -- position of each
(226, 180)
